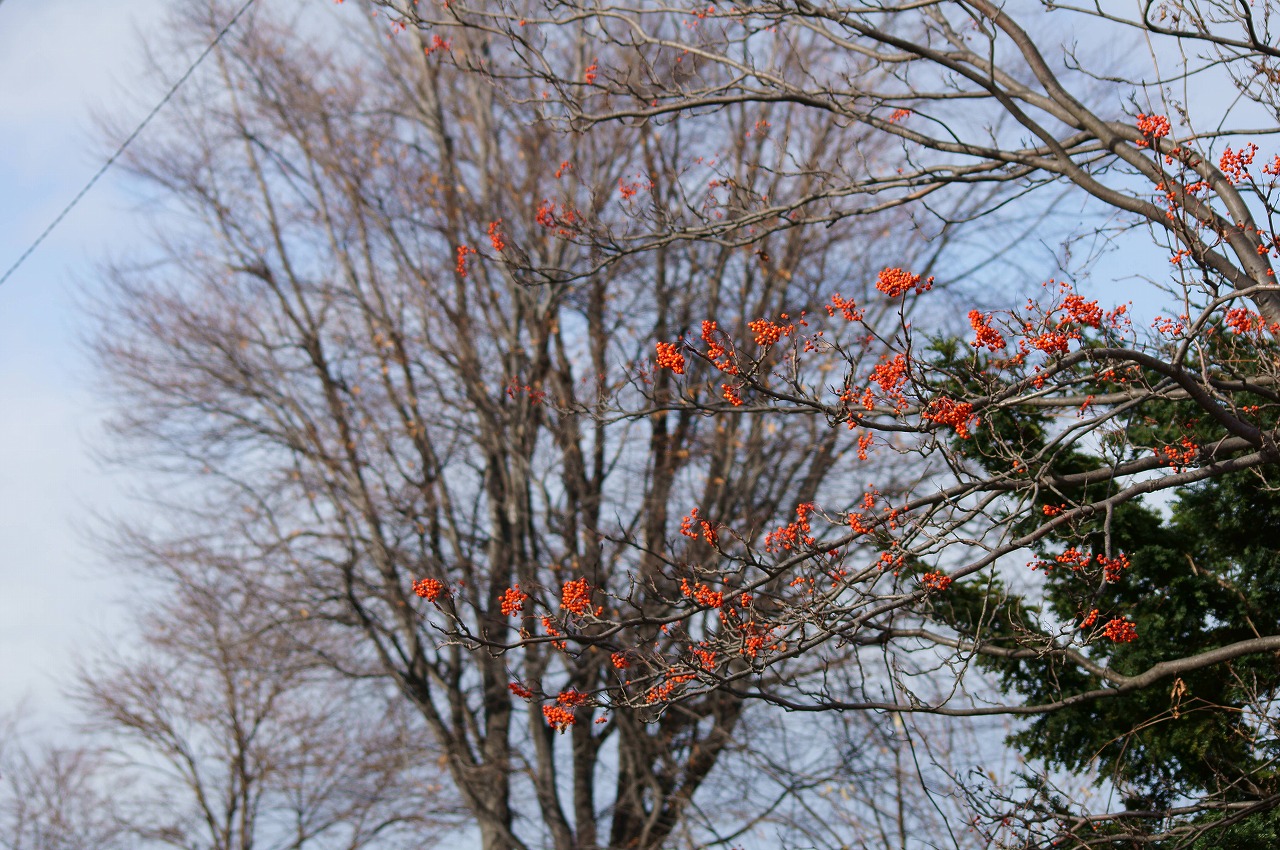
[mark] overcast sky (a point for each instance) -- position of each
(60, 62)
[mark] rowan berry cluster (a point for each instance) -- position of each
(669, 357)
(563, 219)
(513, 600)
(495, 236)
(704, 529)
(1153, 127)
(769, 333)
(846, 307)
(935, 581)
(437, 44)
(558, 717)
(549, 626)
(987, 336)
(792, 534)
(702, 594)
(755, 638)
(1120, 630)
(1051, 342)
(890, 376)
(662, 692)
(1112, 568)
(1242, 320)
(1235, 163)
(629, 190)
(1180, 454)
(715, 350)
(461, 267)
(575, 596)
(428, 588)
(895, 282)
(946, 411)
(1078, 560)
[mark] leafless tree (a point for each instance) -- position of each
(1054, 419)
(233, 738)
(219, 731)
(51, 798)
(401, 383)
(973, 94)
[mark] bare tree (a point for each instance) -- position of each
(233, 738)
(219, 731)
(52, 798)
(1034, 441)
(969, 92)
(403, 388)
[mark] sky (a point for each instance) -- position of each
(62, 62)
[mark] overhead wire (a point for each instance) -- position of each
(124, 145)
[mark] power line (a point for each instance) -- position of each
(137, 131)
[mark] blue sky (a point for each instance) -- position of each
(62, 61)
